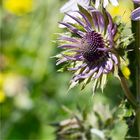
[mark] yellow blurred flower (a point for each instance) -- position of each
(123, 10)
(18, 7)
(2, 96)
(126, 72)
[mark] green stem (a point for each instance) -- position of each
(136, 70)
(138, 121)
(137, 53)
(127, 91)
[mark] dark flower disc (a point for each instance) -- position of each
(90, 45)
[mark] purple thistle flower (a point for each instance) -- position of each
(90, 50)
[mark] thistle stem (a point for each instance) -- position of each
(137, 55)
(136, 80)
(127, 91)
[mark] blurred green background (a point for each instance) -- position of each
(32, 92)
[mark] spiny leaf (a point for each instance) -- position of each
(72, 85)
(85, 82)
(94, 86)
(103, 81)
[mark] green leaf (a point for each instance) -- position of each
(119, 131)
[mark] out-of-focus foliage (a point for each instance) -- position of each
(101, 123)
(32, 92)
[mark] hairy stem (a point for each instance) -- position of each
(137, 53)
(127, 91)
(135, 61)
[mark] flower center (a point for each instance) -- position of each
(90, 44)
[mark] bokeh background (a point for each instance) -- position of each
(32, 92)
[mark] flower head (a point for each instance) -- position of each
(90, 50)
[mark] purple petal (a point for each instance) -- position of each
(135, 15)
(70, 57)
(76, 19)
(103, 49)
(114, 58)
(68, 46)
(86, 20)
(110, 24)
(68, 39)
(86, 75)
(79, 21)
(68, 19)
(75, 50)
(100, 19)
(79, 67)
(73, 29)
(94, 19)
(105, 71)
(109, 65)
(114, 30)
(66, 58)
(61, 61)
(86, 70)
(78, 57)
(99, 72)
